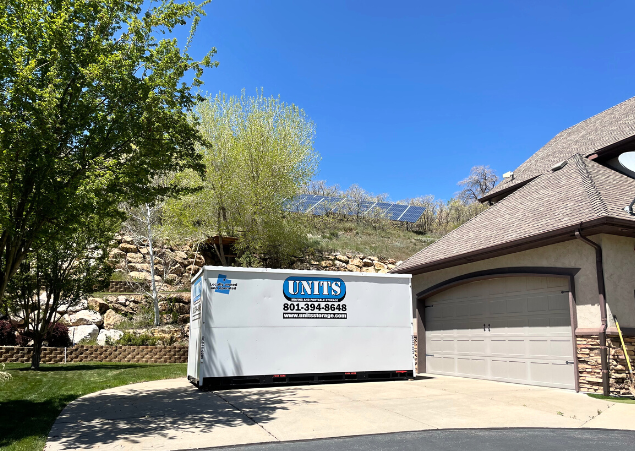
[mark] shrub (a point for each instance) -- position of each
(129, 339)
(7, 333)
(57, 336)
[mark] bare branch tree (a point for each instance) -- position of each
(480, 182)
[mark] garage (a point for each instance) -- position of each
(511, 329)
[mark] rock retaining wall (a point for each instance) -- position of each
(590, 368)
(131, 354)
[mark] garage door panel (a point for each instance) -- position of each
(527, 336)
(538, 304)
(559, 302)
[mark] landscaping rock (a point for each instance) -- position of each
(83, 318)
(184, 319)
(352, 268)
(357, 262)
(380, 266)
(180, 255)
(368, 262)
(134, 258)
(128, 248)
(81, 305)
(98, 305)
(116, 255)
(79, 333)
(368, 269)
(326, 264)
(113, 335)
(172, 278)
(342, 258)
(112, 319)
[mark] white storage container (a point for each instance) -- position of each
(264, 326)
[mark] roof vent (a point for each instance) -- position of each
(508, 175)
(559, 166)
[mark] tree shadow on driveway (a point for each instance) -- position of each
(132, 413)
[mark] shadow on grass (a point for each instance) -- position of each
(20, 419)
(132, 415)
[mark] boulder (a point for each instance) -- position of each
(79, 333)
(390, 267)
(139, 267)
(112, 335)
(368, 269)
(379, 266)
(192, 269)
(127, 239)
(342, 258)
(180, 255)
(128, 248)
(352, 268)
(134, 258)
(116, 255)
(181, 309)
(372, 258)
(177, 270)
(184, 319)
(339, 264)
(391, 261)
(171, 279)
(368, 262)
(83, 318)
(143, 276)
(112, 319)
(357, 262)
(81, 305)
(98, 305)
(326, 264)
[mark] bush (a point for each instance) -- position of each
(129, 339)
(57, 336)
(7, 333)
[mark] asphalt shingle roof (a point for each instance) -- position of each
(597, 132)
(581, 191)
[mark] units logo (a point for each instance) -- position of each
(317, 289)
(223, 285)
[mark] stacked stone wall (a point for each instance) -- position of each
(590, 367)
(75, 354)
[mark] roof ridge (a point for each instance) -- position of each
(588, 119)
(597, 202)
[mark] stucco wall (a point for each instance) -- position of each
(570, 254)
(618, 255)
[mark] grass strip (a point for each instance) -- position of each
(31, 400)
(612, 398)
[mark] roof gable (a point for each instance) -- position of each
(580, 192)
(602, 130)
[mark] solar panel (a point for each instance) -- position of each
(395, 211)
(412, 214)
(321, 205)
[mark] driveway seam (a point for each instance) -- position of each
(591, 419)
(242, 412)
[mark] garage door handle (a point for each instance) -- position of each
(569, 363)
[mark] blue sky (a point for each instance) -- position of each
(407, 96)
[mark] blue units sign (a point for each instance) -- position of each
(314, 298)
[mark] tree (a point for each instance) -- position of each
(258, 153)
(141, 224)
(59, 274)
(480, 182)
(92, 107)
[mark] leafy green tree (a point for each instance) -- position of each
(59, 274)
(258, 153)
(93, 106)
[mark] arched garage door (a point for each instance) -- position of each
(513, 329)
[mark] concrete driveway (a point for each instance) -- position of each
(174, 415)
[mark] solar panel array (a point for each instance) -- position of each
(320, 205)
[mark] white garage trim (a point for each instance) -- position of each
(568, 273)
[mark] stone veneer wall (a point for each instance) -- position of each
(131, 354)
(590, 368)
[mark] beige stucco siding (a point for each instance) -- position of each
(570, 254)
(618, 255)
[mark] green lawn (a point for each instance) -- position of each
(31, 401)
(612, 398)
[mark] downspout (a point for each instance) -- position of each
(602, 295)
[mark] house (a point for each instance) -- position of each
(528, 290)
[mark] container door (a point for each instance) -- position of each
(194, 350)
